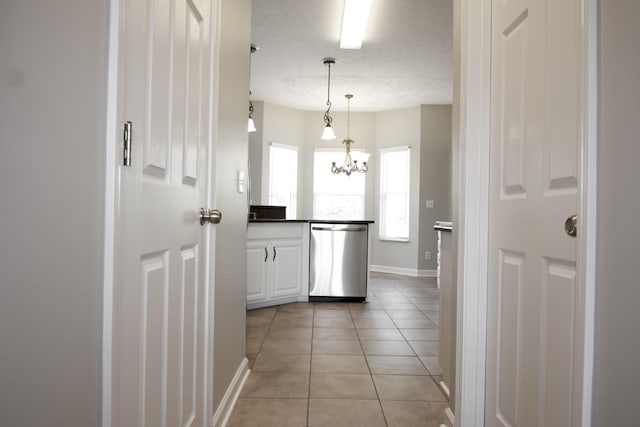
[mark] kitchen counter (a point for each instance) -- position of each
(319, 221)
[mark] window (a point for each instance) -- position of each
(283, 177)
(336, 196)
(394, 193)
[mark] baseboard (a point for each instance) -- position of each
(403, 271)
(449, 413)
(228, 402)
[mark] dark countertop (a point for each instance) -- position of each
(443, 226)
(320, 221)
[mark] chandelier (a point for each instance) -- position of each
(352, 158)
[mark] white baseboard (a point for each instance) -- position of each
(228, 402)
(449, 413)
(404, 271)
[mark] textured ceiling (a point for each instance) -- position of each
(405, 58)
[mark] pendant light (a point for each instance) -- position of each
(351, 159)
(328, 130)
(251, 126)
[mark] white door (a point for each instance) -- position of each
(160, 285)
(533, 352)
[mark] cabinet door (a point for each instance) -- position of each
(258, 265)
(287, 267)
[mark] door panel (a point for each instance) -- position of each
(159, 358)
(532, 324)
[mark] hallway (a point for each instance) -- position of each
(339, 364)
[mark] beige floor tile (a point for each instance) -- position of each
(286, 322)
(345, 413)
(296, 307)
(274, 345)
(421, 334)
(334, 334)
(269, 412)
(259, 320)
(267, 311)
(371, 304)
(374, 323)
(276, 384)
(425, 348)
(338, 363)
(431, 363)
(257, 331)
(290, 333)
(387, 348)
(414, 324)
(341, 385)
(369, 314)
(408, 387)
(275, 362)
(326, 305)
(336, 347)
(334, 314)
(399, 306)
(431, 306)
(414, 414)
(398, 365)
(328, 322)
(406, 314)
(380, 334)
(253, 345)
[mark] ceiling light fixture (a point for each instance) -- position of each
(328, 131)
(351, 160)
(251, 126)
(354, 23)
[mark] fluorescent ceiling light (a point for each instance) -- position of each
(354, 22)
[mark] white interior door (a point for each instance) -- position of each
(533, 352)
(160, 287)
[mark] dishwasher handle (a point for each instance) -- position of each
(339, 228)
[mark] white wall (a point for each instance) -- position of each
(617, 374)
(231, 156)
(52, 160)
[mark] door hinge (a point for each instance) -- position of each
(126, 158)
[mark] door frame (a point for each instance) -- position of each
(473, 207)
(112, 213)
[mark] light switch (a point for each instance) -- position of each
(429, 203)
(241, 183)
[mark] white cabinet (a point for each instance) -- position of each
(277, 270)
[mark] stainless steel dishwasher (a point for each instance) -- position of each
(338, 261)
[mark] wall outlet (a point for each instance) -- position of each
(427, 255)
(428, 204)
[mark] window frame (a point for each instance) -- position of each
(292, 211)
(383, 194)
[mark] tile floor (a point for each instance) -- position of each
(346, 364)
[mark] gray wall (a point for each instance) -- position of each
(617, 352)
(52, 97)
(435, 178)
(395, 128)
(231, 156)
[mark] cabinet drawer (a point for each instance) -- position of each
(276, 231)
